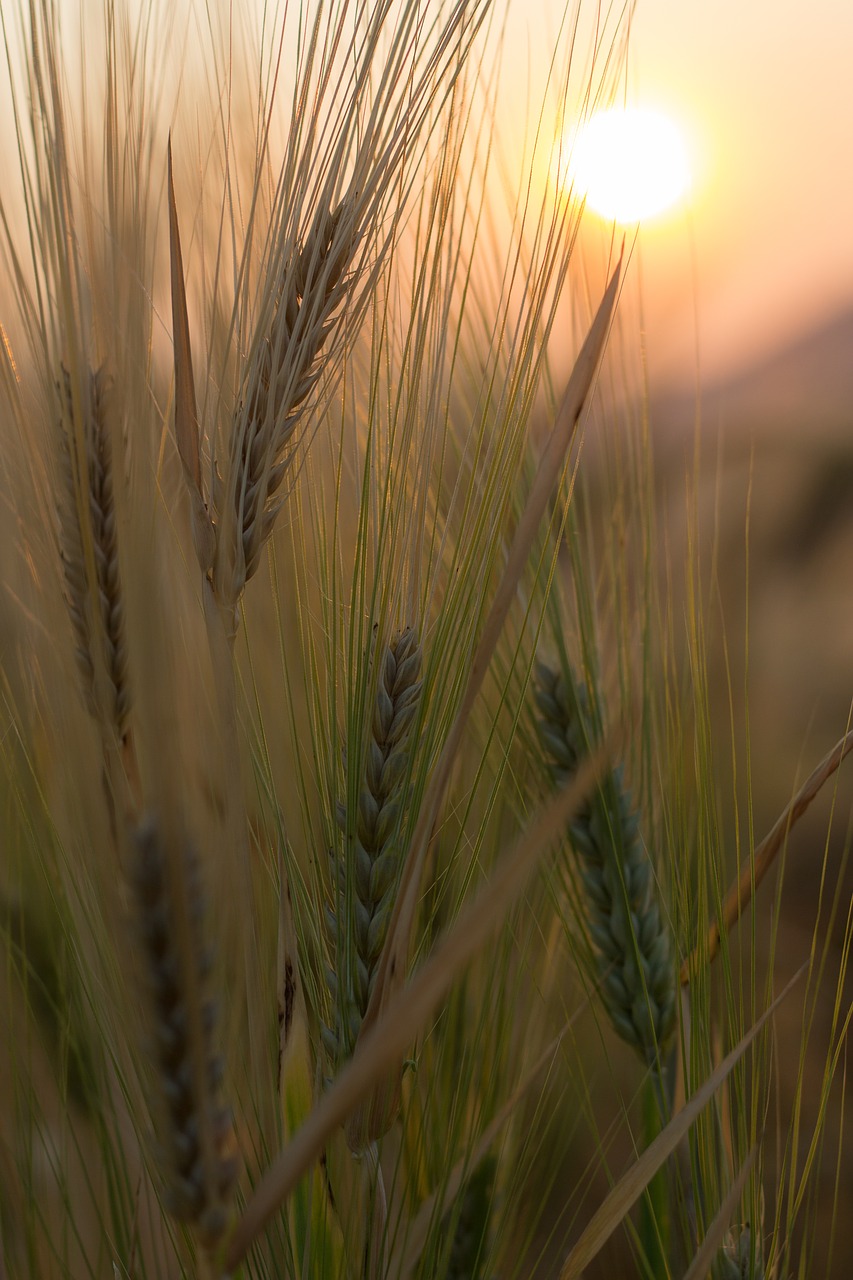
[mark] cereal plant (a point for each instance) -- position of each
(363, 891)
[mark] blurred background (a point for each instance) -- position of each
(760, 252)
(736, 324)
(738, 315)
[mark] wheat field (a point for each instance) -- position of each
(374, 897)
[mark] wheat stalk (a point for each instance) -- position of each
(194, 1128)
(631, 944)
(367, 877)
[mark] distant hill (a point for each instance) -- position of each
(805, 385)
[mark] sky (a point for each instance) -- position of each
(763, 91)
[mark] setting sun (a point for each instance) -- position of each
(629, 164)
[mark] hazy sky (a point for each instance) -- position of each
(764, 90)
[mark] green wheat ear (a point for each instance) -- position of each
(628, 936)
(366, 878)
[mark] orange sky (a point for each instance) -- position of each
(764, 91)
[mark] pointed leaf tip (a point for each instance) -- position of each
(186, 418)
(186, 414)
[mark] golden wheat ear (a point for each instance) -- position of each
(314, 292)
(89, 549)
(195, 1154)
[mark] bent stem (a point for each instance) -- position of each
(740, 894)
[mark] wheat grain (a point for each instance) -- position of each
(194, 1129)
(631, 944)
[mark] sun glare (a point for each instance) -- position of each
(629, 164)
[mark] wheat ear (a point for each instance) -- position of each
(195, 1134)
(366, 878)
(93, 590)
(631, 944)
(287, 362)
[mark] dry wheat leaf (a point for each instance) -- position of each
(186, 413)
(411, 1007)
